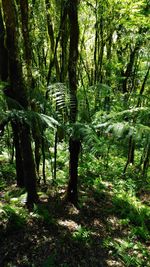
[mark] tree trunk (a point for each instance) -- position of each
(143, 87)
(74, 149)
(64, 43)
(3, 52)
(131, 149)
(74, 143)
(146, 160)
(27, 44)
(129, 69)
(53, 60)
(18, 156)
(15, 125)
(28, 165)
(18, 92)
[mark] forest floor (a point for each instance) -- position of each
(57, 233)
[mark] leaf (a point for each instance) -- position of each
(51, 122)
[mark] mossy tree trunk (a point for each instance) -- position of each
(17, 91)
(15, 126)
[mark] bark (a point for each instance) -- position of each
(15, 125)
(74, 143)
(99, 54)
(131, 150)
(18, 156)
(95, 48)
(24, 7)
(143, 87)
(3, 52)
(129, 69)
(17, 91)
(72, 191)
(28, 165)
(44, 158)
(25, 31)
(64, 43)
(108, 71)
(54, 60)
(146, 160)
(36, 133)
(73, 57)
(101, 46)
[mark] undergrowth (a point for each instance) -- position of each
(104, 178)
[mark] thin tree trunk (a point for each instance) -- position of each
(146, 160)
(143, 87)
(18, 155)
(131, 149)
(44, 158)
(74, 143)
(129, 69)
(72, 191)
(3, 52)
(28, 165)
(64, 42)
(53, 60)
(108, 72)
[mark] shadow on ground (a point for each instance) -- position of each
(62, 235)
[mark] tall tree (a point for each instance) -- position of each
(3, 52)
(74, 142)
(17, 91)
(15, 126)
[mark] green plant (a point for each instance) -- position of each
(141, 232)
(130, 207)
(44, 214)
(14, 217)
(81, 234)
(50, 262)
(133, 254)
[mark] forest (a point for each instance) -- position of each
(74, 133)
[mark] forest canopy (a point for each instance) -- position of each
(75, 112)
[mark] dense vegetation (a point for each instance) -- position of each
(74, 133)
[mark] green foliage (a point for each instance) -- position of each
(141, 231)
(128, 206)
(131, 253)
(113, 50)
(125, 123)
(50, 262)
(7, 172)
(81, 234)
(15, 218)
(43, 214)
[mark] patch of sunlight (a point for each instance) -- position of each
(4, 155)
(71, 225)
(113, 221)
(97, 223)
(114, 263)
(73, 210)
(122, 242)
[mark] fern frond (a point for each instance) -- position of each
(51, 122)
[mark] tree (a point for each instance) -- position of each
(74, 142)
(3, 52)
(17, 91)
